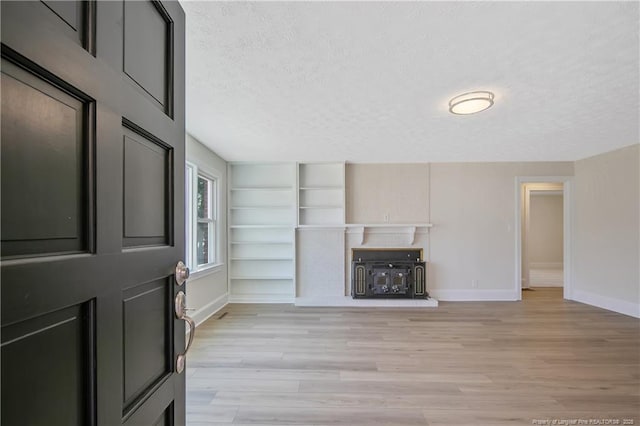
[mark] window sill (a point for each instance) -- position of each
(207, 270)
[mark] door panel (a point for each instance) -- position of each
(60, 384)
(92, 212)
(165, 418)
(69, 11)
(43, 128)
(73, 19)
(147, 179)
(148, 351)
(148, 34)
(159, 407)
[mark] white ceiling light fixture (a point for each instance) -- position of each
(471, 102)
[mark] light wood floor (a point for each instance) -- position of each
(465, 363)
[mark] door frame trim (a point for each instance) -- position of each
(567, 216)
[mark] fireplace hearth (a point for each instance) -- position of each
(388, 273)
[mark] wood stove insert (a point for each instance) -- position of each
(388, 273)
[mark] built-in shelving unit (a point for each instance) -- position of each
(262, 219)
(321, 194)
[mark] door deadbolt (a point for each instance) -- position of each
(182, 273)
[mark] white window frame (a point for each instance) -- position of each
(192, 172)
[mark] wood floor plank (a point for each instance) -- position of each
(330, 416)
(471, 363)
(370, 387)
(241, 385)
(382, 399)
(392, 376)
(211, 413)
(252, 373)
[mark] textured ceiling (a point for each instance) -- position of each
(370, 82)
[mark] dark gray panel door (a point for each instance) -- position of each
(92, 222)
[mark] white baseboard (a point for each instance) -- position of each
(202, 314)
(242, 298)
(470, 295)
(615, 305)
(546, 265)
(338, 301)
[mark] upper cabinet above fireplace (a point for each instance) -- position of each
(321, 194)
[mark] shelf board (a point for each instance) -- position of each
(321, 207)
(262, 188)
(314, 188)
(262, 226)
(340, 226)
(262, 258)
(262, 278)
(389, 225)
(261, 207)
(262, 242)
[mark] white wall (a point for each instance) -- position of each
(472, 243)
(606, 253)
(208, 293)
(471, 248)
(398, 191)
(544, 240)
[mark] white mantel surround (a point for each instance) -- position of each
(410, 230)
(324, 261)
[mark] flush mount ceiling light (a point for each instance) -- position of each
(471, 102)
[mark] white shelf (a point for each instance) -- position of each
(321, 194)
(261, 208)
(262, 217)
(258, 277)
(321, 188)
(389, 225)
(262, 242)
(261, 258)
(342, 227)
(262, 188)
(277, 252)
(263, 226)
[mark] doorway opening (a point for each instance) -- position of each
(542, 236)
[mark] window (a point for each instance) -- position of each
(202, 225)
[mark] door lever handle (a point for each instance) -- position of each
(181, 314)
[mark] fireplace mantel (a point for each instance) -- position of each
(325, 255)
(388, 228)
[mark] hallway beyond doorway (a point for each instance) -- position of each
(547, 277)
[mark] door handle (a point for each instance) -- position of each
(181, 313)
(182, 273)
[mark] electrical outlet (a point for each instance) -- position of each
(386, 218)
(474, 283)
